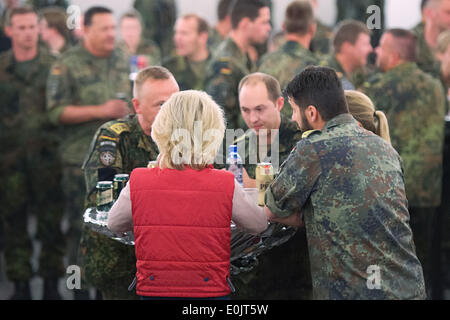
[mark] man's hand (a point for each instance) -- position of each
(294, 220)
(248, 182)
(114, 109)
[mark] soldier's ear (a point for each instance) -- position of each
(8, 31)
(280, 103)
(136, 105)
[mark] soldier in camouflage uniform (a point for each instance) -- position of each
(192, 56)
(414, 104)
(293, 56)
(159, 17)
(345, 184)
(83, 91)
(351, 44)
(230, 62)
(132, 41)
(29, 164)
(293, 280)
(120, 146)
(223, 26)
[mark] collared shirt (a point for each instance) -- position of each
(348, 184)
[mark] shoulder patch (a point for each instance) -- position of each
(306, 134)
(120, 127)
(56, 70)
(109, 138)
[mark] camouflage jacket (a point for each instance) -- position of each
(348, 184)
(321, 43)
(426, 58)
(414, 104)
(224, 72)
(78, 78)
(214, 39)
(159, 18)
(189, 75)
(22, 98)
(288, 136)
(285, 63)
(145, 48)
(349, 82)
(118, 146)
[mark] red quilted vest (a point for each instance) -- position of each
(182, 231)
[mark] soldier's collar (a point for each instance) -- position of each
(339, 120)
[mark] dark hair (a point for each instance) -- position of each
(404, 44)
(299, 17)
(17, 11)
(202, 25)
(224, 9)
(91, 12)
(348, 31)
(320, 87)
(423, 4)
(246, 9)
(56, 18)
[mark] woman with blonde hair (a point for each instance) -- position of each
(363, 110)
(181, 210)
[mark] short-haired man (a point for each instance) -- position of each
(345, 185)
(223, 26)
(133, 42)
(261, 101)
(84, 89)
(118, 147)
(192, 54)
(250, 25)
(299, 27)
(351, 43)
(29, 163)
(414, 104)
(436, 17)
(54, 31)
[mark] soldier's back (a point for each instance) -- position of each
(414, 103)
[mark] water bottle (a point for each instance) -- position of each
(234, 164)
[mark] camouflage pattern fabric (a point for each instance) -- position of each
(214, 39)
(39, 4)
(349, 82)
(30, 167)
(321, 43)
(189, 75)
(159, 18)
(292, 279)
(78, 78)
(348, 185)
(426, 59)
(226, 69)
(285, 63)
(406, 94)
(118, 147)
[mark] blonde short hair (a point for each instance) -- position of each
(188, 130)
(152, 72)
(363, 110)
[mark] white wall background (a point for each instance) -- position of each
(399, 13)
